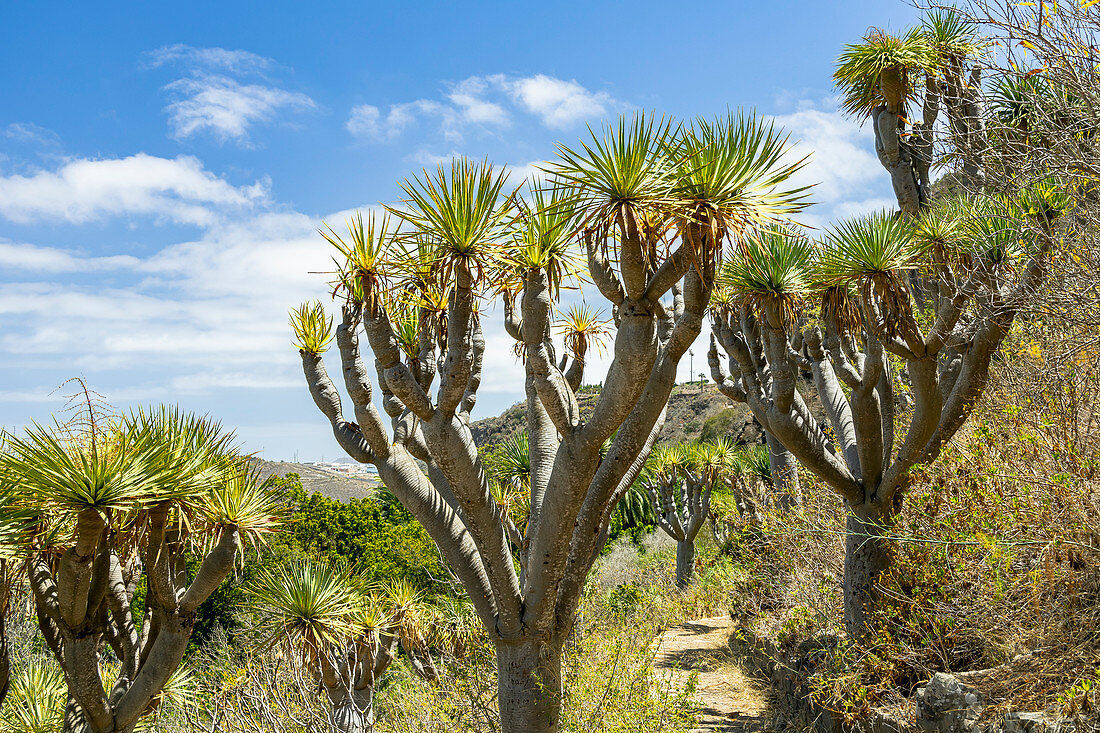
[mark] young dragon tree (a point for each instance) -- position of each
(986, 260)
(929, 66)
(345, 633)
(749, 484)
(680, 479)
(653, 208)
(112, 501)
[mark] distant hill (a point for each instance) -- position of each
(695, 411)
(329, 484)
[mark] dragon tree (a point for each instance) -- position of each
(106, 503)
(646, 210)
(680, 480)
(344, 632)
(930, 67)
(841, 309)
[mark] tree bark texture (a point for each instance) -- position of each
(529, 687)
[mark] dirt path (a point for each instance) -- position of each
(729, 700)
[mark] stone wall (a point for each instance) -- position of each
(944, 705)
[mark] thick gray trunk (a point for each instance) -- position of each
(529, 687)
(784, 471)
(353, 712)
(685, 562)
(868, 552)
(896, 159)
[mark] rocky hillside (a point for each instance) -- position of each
(329, 484)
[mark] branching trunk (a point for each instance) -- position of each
(98, 611)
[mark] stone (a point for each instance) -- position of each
(1036, 723)
(946, 705)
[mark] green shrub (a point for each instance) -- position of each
(720, 425)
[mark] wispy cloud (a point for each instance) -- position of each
(212, 98)
(82, 190)
(195, 315)
(368, 121)
(486, 102)
(32, 258)
(30, 133)
(235, 61)
(225, 108)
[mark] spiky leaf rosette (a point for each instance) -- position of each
(753, 461)
(939, 228)
(880, 70)
(312, 327)
(35, 701)
(993, 231)
(724, 300)
(665, 461)
(771, 273)
(543, 237)
(405, 320)
(874, 252)
(106, 472)
(464, 210)
(950, 35)
(362, 258)
(510, 463)
(582, 327)
(729, 174)
(622, 169)
(190, 453)
(714, 460)
(868, 246)
(311, 603)
(240, 500)
(1046, 199)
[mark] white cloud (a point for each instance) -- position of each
(468, 96)
(176, 189)
(841, 163)
(559, 104)
(236, 61)
(485, 102)
(212, 99)
(28, 257)
(367, 120)
(195, 315)
(225, 108)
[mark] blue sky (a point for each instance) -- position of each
(163, 167)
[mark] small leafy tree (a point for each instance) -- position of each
(653, 208)
(680, 479)
(113, 501)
